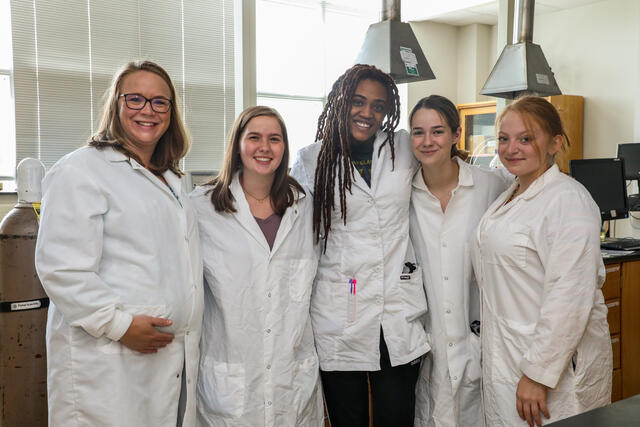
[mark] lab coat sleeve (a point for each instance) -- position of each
(570, 254)
(299, 172)
(68, 252)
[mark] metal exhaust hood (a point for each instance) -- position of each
(392, 47)
(522, 68)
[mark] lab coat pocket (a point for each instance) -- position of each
(511, 341)
(410, 285)
(333, 295)
(301, 275)
(510, 247)
(108, 346)
(221, 389)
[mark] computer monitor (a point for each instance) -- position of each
(630, 152)
(604, 178)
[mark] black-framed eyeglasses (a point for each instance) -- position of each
(135, 101)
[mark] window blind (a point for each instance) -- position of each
(65, 53)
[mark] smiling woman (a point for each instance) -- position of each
(368, 303)
(259, 363)
(126, 298)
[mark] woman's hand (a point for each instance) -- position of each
(530, 396)
(143, 336)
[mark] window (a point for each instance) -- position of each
(7, 125)
(302, 48)
(65, 53)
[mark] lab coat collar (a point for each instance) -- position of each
(113, 155)
(249, 223)
(465, 177)
(538, 185)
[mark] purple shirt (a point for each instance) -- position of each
(269, 227)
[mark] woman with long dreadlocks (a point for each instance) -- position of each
(368, 301)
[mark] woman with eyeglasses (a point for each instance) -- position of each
(118, 254)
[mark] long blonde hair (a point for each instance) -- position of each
(173, 144)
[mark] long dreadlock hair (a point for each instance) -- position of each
(334, 158)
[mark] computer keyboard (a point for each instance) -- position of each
(621, 244)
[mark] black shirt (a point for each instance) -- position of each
(361, 155)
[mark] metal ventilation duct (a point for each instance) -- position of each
(391, 46)
(522, 68)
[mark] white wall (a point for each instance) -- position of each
(476, 56)
(594, 51)
(439, 44)
(461, 59)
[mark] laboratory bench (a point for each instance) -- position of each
(625, 413)
(621, 292)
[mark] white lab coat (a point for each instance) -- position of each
(258, 364)
(537, 261)
(448, 390)
(373, 248)
(114, 242)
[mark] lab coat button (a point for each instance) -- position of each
(268, 331)
(446, 278)
(444, 244)
(450, 344)
(269, 403)
(455, 378)
(371, 201)
(269, 294)
(448, 311)
(268, 367)
(187, 332)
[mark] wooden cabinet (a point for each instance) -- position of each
(478, 135)
(621, 291)
(477, 121)
(611, 292)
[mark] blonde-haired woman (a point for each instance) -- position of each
(259, 365)
(546, 349)
(118, 254)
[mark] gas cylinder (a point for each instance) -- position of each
(23, 307)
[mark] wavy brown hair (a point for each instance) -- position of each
(334, 158)
(448, 112)
(283, 186)
(172, 146)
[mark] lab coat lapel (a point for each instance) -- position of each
(359, 181)
(378, 161)
(116, 156)
(286, 225)
(244, 215)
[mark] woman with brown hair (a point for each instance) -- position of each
(368, 303)
(546, 348)
(448, 199)
(259, 364)
(118, 254)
